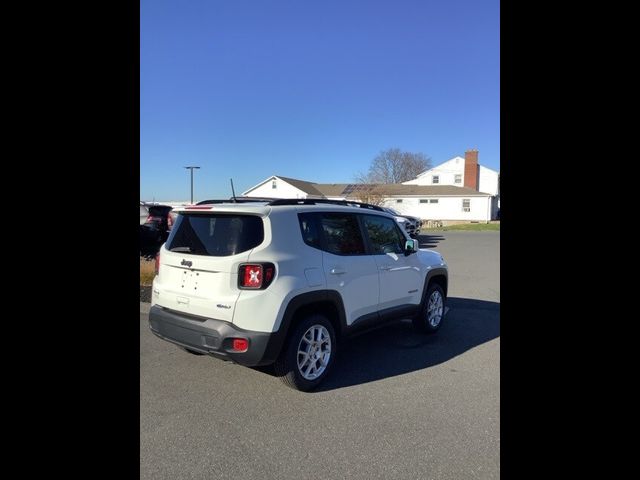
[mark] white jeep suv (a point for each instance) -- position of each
(281, 282)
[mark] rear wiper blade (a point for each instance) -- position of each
(181, 249)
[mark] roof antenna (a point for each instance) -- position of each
(233, 191)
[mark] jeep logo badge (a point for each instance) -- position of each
(186, 262)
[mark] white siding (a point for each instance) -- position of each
(408, 205)
(447, 208)
(446, 171)
(282, 190)
(488, 181)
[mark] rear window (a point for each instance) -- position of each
(159, 211)
(215, 235)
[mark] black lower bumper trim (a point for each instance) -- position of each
(211, 336)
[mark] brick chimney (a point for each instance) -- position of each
(471, 169)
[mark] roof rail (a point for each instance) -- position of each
(236, 200)
(316, 201)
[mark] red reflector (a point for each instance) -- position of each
(268, 275)
(252, 276)
(240, 344)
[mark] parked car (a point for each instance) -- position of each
(144, 213)
(283, 282)
(410, 224)
(156, 228)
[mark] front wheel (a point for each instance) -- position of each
(431, 314)
(308, 356)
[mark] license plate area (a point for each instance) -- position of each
(190, 281)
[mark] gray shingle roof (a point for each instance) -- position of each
(308, 187)
(429, 190)
(394, 189)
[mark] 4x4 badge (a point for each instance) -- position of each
(186, 262)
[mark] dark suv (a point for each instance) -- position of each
(155, 231)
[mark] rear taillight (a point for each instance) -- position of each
(157, 263)
(255, 276)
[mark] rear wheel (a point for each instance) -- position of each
(308, 356)
(431, 314)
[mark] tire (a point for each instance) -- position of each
(431, 314)
(315, 333)
(192, 352)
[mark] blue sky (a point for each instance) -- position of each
(310, 90)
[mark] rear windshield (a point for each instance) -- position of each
(215, 235)
(159, 211)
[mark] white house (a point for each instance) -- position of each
(429, 202)
(283, 187)
(449, 191)
(461, 172)
(440, 202)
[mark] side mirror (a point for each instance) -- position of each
(410, 246)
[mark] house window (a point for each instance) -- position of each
(399, 201)
(273, 184)
(435, 179)
(466, 205)
(424, 200)
(457, 179)
(433, 200)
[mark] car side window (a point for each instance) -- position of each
(384, 235)
(341, 233)
(309, 229)
(333, 232)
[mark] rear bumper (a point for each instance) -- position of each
(213, 337)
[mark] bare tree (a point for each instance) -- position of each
(395, 166)
(370, 194)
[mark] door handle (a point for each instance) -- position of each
(337, 271)
(386, 268)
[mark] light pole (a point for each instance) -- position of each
(191, 168)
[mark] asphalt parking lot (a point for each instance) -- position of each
(397, 404)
